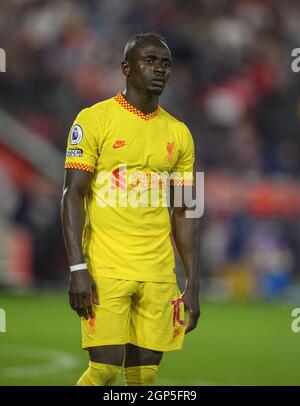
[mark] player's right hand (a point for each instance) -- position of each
(82, 293)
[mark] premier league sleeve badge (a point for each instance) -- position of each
(76, 135)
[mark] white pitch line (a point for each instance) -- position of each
(178, 382)
(53, 361)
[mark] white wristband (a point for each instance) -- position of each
(78, 267)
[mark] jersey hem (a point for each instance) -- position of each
(119, 275)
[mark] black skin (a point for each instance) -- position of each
(144, 63)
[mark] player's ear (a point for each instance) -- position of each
(125, 68)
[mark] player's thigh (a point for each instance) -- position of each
(107, 354)
(136, 356)
(110, 326)
(157, 317)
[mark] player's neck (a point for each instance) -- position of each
(144, 102)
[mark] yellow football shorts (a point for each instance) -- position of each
(145, 314)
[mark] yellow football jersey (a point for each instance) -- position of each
(131, 154)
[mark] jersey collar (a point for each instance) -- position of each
(124, 103)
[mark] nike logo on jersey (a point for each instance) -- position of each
(119, 144)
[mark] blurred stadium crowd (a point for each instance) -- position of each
(231, 83)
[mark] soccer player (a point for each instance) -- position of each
(122, 281)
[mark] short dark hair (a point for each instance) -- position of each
(137, 39)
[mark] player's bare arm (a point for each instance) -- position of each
(82, 289)
(185, 232)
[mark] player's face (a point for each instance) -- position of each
(150, 67)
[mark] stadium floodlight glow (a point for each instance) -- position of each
(2, 60)
(2, 321)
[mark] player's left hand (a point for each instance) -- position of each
(192, 307)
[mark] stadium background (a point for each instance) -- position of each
(233, 85)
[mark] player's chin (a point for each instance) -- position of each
(156, 90)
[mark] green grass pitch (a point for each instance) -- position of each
(234, 344)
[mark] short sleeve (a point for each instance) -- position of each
(83, 142)
(182, 171)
